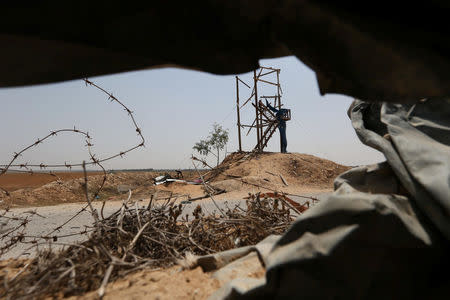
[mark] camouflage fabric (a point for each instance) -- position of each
(385, 231)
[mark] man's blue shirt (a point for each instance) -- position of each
(278, 115)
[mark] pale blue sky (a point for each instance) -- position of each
(175, 108)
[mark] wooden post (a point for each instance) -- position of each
(258, 142)
(261, 128)
(238, 114)
(279, 98)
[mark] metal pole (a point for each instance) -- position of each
(256, 111)
(279, 98)
(238, 114)
(261, 128)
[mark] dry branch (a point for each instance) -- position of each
(119, 245)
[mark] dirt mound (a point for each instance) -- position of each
(238, 170)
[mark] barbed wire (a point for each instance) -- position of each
(26, 167)
(129, 238)
(12, 236)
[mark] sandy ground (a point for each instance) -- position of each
(48, 205)
(172, 283)
(16, 181)
(239, 174)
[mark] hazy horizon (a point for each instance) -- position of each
(174, 108)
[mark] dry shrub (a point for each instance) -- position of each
(155, 236)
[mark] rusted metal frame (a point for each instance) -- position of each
(279, 100)
(250, 98)
(275, 104)
(261, 108)
(238, 112)
(265, 81)
(267, 118)
(251, 126)
(260, 115)
(255, 94)
(268, 122)
(267, 110)
(243, 82)
(260, 128)
(261, 118)
(270, 72)
(269, 136)
(260, 123)
(270, 68)
(280, 90)
(272, 129)
(264, 123)
(259, 74)
(255, 79)
(258, 146)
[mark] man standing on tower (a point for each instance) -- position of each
(281, 115)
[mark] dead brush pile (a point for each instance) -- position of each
(134, 238)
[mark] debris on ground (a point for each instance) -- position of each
(300, 208)
(148, 237)
(167, 179)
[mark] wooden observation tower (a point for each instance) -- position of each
(265, 122)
